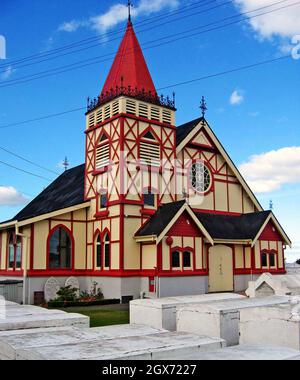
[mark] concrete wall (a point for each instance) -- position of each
(182, 286)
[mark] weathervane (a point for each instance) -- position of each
(129, 10)
(203, 106)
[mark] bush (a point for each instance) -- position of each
(66, 293)
(60, 304)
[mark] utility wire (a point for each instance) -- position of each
(95, 38)
(74, 66)
(233, 70)
(25, 171)
(28, 161)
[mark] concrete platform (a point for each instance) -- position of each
(245, 353)
(220, 319)
(150, 347)
(12, 341)
(161, 313)
(274, 326)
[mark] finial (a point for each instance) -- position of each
(66, 163)
(271, 205)
(129, 10)
(203, 106)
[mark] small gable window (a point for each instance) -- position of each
(176, 260)
(60, 249)
(182, 259)
(268, 259)
(187, 259)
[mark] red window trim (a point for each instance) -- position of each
(181, 251)
(15, 240)
(70, 233)
(102, 238)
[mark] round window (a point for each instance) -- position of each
(200, 177)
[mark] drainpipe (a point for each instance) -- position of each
(25, 260)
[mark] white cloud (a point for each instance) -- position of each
(283, 23)
(7, 73)
(270, 171)
(9, 196)
(118, 13)
(236, 98)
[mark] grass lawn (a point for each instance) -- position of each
(103, 316)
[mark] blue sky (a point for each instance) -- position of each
(253, 112)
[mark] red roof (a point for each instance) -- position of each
(129, 67)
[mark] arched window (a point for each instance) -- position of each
(187, 260)
(106, 251)
(182, 259)
(60, 249)
(98, 249)
(14, 252)
(11, 252)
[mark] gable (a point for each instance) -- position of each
(270, 233)
(184, 226)
(234, 194)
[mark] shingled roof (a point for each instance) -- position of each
(66, 191)
(160, 220)
(227, 227)
(185, 129)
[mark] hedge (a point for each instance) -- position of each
(58, 304)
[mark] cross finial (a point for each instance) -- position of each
(129, 10)
(271, 205)
(203, 106)
(66, 163)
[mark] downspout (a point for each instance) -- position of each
(25, 258)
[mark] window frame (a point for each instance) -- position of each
(181, 252)
(101, 143)
(268, 254)
(208, 168)
(72, 248)
(154, 142)
(15, 242)
(153, 192)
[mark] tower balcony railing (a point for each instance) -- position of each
(130, 92)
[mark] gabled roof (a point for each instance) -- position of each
(227, 227)
(66, 191)
(129, 67)
(165, 217)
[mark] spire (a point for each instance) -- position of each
(129, 67)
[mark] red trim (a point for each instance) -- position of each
(31, 247)
(72, 248)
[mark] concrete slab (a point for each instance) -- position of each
(151, 347)
(220, 319)
(245, 353)
(11, 341)
(273, 325)
(43, 320)
(161, 313)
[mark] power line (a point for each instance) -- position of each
(107, 41)
(25, 171)
(94, 38)
(237, 69)
(28, 161)
(74, 66)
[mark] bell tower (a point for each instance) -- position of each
(128, 116)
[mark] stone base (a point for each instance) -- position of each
(162, 346)
(220, 319)
(161, 313)
(12, 341)
(274, 326)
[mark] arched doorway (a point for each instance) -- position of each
(220, 269)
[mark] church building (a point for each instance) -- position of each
(156, 209)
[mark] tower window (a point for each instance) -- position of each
(155, 113)
(143, 110)
(102, 200)
(103, 153)
(149, 198)
(131, 107)
(150, 154)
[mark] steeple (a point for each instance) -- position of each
(129, 69)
